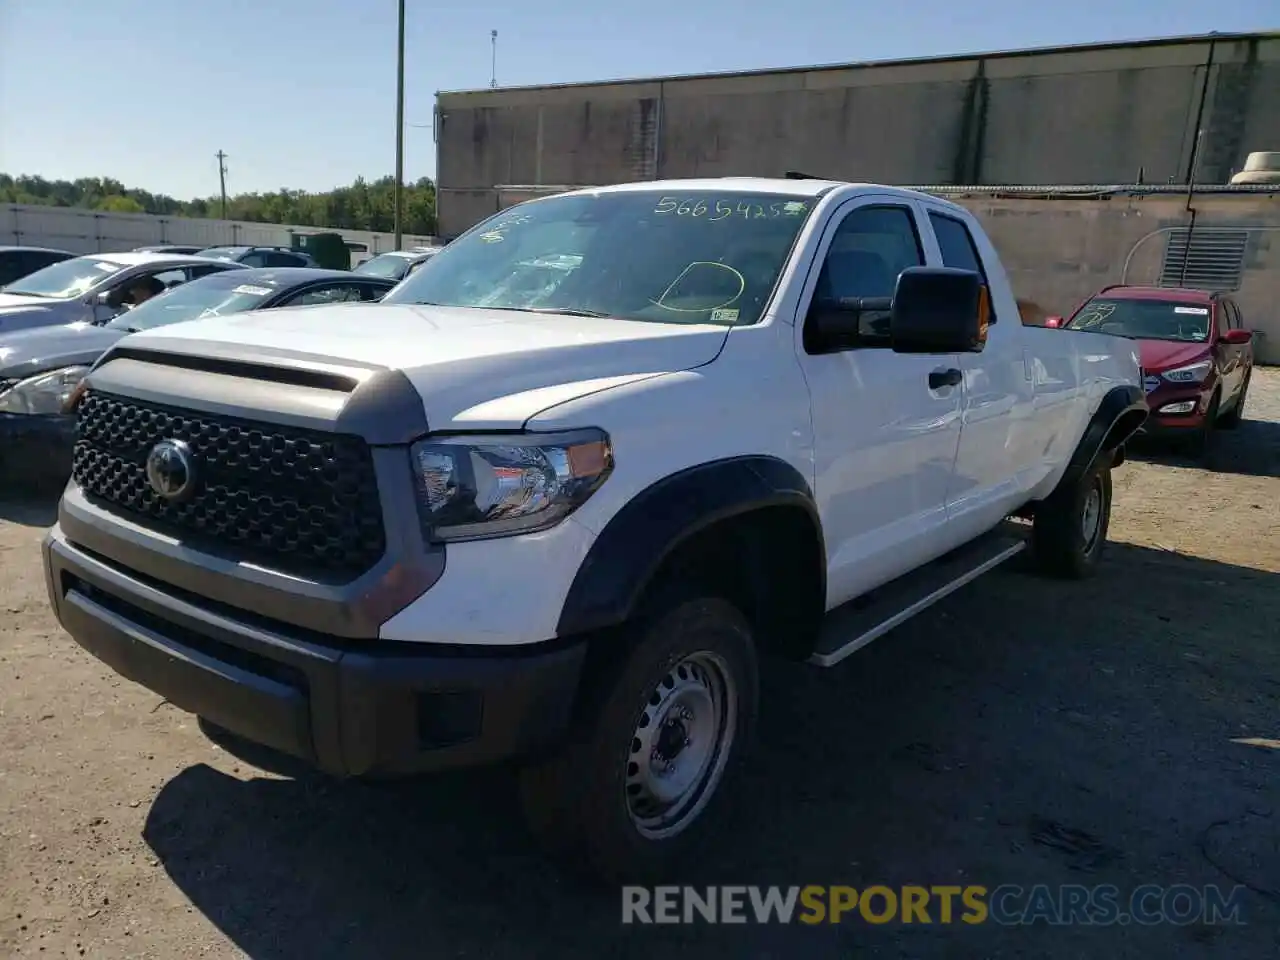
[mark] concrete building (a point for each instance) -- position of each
(1184, 111)
(1107, 113)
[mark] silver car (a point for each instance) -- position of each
(95, 288)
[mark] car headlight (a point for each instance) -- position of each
(478, 487)
(1192, 373)
(44, 393)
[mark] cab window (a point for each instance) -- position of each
(868, 251)
(957, 247)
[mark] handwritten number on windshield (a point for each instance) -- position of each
(1094, 315)
(724, 209)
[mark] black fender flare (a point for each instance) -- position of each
(1122, 411)
(634, 543)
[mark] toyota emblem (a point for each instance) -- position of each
(171, 470)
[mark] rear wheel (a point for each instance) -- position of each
(1070, 528)
(660, 734)
(1231, 419)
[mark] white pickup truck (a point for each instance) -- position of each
(561, 493)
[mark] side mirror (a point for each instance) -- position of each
(1054, 322)
(103, 299)
(939, 310)
(1236, 338)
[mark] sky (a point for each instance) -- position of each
(301, 93)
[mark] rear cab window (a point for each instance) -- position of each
(959, 250)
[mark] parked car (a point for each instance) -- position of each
(260, 256)
(1196, 353)
(40, 368)
(178, 248)
(560, 520)
(397, 264)
(18, 262)
(96, 288)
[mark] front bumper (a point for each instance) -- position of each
(36, 444)
(346, 707)
(1169, 418)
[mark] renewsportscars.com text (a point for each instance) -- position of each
(1007, 904)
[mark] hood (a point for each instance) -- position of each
(474, 368)
(21, 313)
(1160, 355)
(29, 352)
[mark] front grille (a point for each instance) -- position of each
(300, 501)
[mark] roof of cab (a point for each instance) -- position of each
(800, 187)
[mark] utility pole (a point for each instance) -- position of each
(493, 64)
(222, 181)
(398, 199)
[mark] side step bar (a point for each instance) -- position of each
(852, 626)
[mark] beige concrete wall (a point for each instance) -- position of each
(1058, 252)
(1081, 115)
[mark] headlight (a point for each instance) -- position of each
(1192, 373)
(43, 393)
(473, 488)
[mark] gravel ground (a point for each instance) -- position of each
(1023, 731)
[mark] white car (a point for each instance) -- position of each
(397, 264)
(93, 289)
(567, 526)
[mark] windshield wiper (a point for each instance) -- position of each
(563, 311)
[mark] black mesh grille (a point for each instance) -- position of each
(302, 501)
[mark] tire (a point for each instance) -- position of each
(1231, 419)
(1201, 443)
(596, 805)
(1070, 527)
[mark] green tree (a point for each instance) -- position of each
(117, 203)
(362, 205)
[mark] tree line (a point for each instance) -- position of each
(364, 205)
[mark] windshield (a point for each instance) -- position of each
(708, 256)
(388, 265)
(69, 278)
(207, 297)
(1145, 319)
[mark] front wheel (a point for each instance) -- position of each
(1070, 528)
(659, 734)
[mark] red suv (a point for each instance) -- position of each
(1195, 352)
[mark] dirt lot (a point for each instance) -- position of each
(1022, 732)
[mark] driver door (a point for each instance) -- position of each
(885, 437)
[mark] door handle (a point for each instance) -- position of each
(950, 377)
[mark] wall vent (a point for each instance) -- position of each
(1214, 259)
